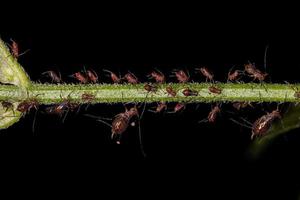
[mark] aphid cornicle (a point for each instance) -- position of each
(181, 76)
(158, 76)
(254, 72)
(263, 124)
(212, 116)
(188, 92)
(54, 77)
(113, 76)
(121, 123)
(206, 73)
(131, 78)
(171, 91)
(215, 90)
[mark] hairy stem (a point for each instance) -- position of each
(127, 93)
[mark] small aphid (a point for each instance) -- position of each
(121, 122)
(297, 94)
(131, 78)
(188, 92)
(207, 73)
(171, 91)
(54, 77)
(213, 114)
(92, 76)
(58, 109)
(241, 105)
(178, 107)
(113, 76)
(215, 90)
(150, 88)
(158, 76)
(88, 97)
(263, 124)
(181, 76)
(254, 72)
(27, 105)
(15, 49)
(80, 77)
(160, 107)
(234, 75)
(7, 105)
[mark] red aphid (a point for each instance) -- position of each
(27, 105)
(92, 76)
(207, 73)
(233, 76)
(188, 92)
(254, 72)
(150, 88)
(80, 77)
(171, 91)
(15, 49)
(263, 124)
(121, 122)
(158, 76)
(88, 97)
(241, 105)
(54, 77)
(215, 90)
(113, 76)
(213, 114)
(160, 107)
(178, 107)
(181, 76)
(131, 78)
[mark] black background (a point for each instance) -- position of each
(167, 37)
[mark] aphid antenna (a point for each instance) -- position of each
(21, 54)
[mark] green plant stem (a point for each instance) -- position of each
(127, 93)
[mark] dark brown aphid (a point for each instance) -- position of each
(7, 105)
(241, 105)
(181, 76)
(150, 88)
(188, 92)
(113, 76)
(92, 76)
(215, 90)
(263, 124)
(121, 122)
(27, 105)
(178, 107)
(131, 78)
(15, 49)
(207, 73)
(234, 75)
(254, 72)
(213, 114)
(80, 77)
(158, 76)
(58, 109)
(54, 77)
(88, 97)
(171, 91)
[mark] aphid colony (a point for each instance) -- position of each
(122, 120)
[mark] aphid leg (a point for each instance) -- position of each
(239, 123)
(203, 120)
(34, 121)
(246, 121)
